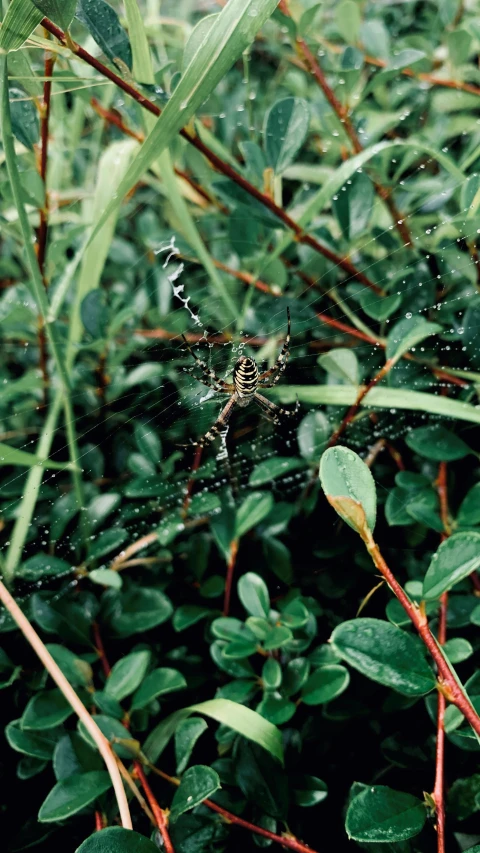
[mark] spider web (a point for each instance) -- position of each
(176, 495)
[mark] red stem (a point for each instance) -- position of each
(361, 395)
(158, 813)
(229, 579)
(217, 162)
(448, 683)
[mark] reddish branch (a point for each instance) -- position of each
(342, 114)
(447, 682)
(159, 813)
(361, 395)
(229, 580)
(286, 840)
(217, 162)
(439, 787)
(407, 72)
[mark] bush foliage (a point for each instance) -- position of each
(276, 633)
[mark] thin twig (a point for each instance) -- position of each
(360, 397)
(66, 688)
(229, 579)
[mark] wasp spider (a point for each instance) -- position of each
(244, 388)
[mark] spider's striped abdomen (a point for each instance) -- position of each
(245, 377)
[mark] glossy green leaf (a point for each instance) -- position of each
(407, 333)
(104, 26)
(261, 780)
(24, 115)
(118, 735)
(325, 684)
(116, 839)
(456, 558)
(186, 735)
(46, 710)
(35, 744)
(237, 717)
(469, 511)
(312, 435)
(42, 566)
(309, 791)
(72, 794)
(252, 511)
(253, 593)
(61, 12)
(270, 469)
(385, 654)
(344, 474)
(21, 18)
(437, 443)
(106, 541)
(137, 610)
(341, 363)
(380, 814)
(15, 456)
(127, 674)
(271, 674)
(197, 784)
(156, 683)
(284, 131)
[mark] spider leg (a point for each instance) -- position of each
(276, 413)
(207, 371)
(219, 424)
(280, 363)
(227, 389)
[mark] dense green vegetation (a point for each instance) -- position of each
(275, 632)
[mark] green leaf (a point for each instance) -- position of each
(385, 654)
(237, 717)
(309, 790)
(197, 784)
(156, 683)
(261, 780)
(380, 814)
(252, 511)
(313, 434)
(464, 797)
(189, 614)
(437, 443)
(457, 649)
(136, 610)
(459, 44)
(348, 19)
(148, 442)
(93, 313)
(106, 577)
(107, 541)
(284, 131)
(379, 307)
(341, 363)
(344, 474)
(270, 469)
(186, 735)
(403, 59)
(276, 638)
(278, 558)
(113, 730)
(456, 558)
(325, 684)
(233, 30)
(21, 19)
(14, 456)
(61, 12)
(24, 116)
(46, 710)
(271, 674)
(116, 839)
(37, 745)
(127, 674)
(253, 593)
(469, 511)
(381, 397)
(353, 208)
(197, 36)
(407, 333)
(43, 566)
(72, 794)
(103, 24)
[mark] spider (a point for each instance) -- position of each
(244, 388)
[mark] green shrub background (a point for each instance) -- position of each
(329, 165)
